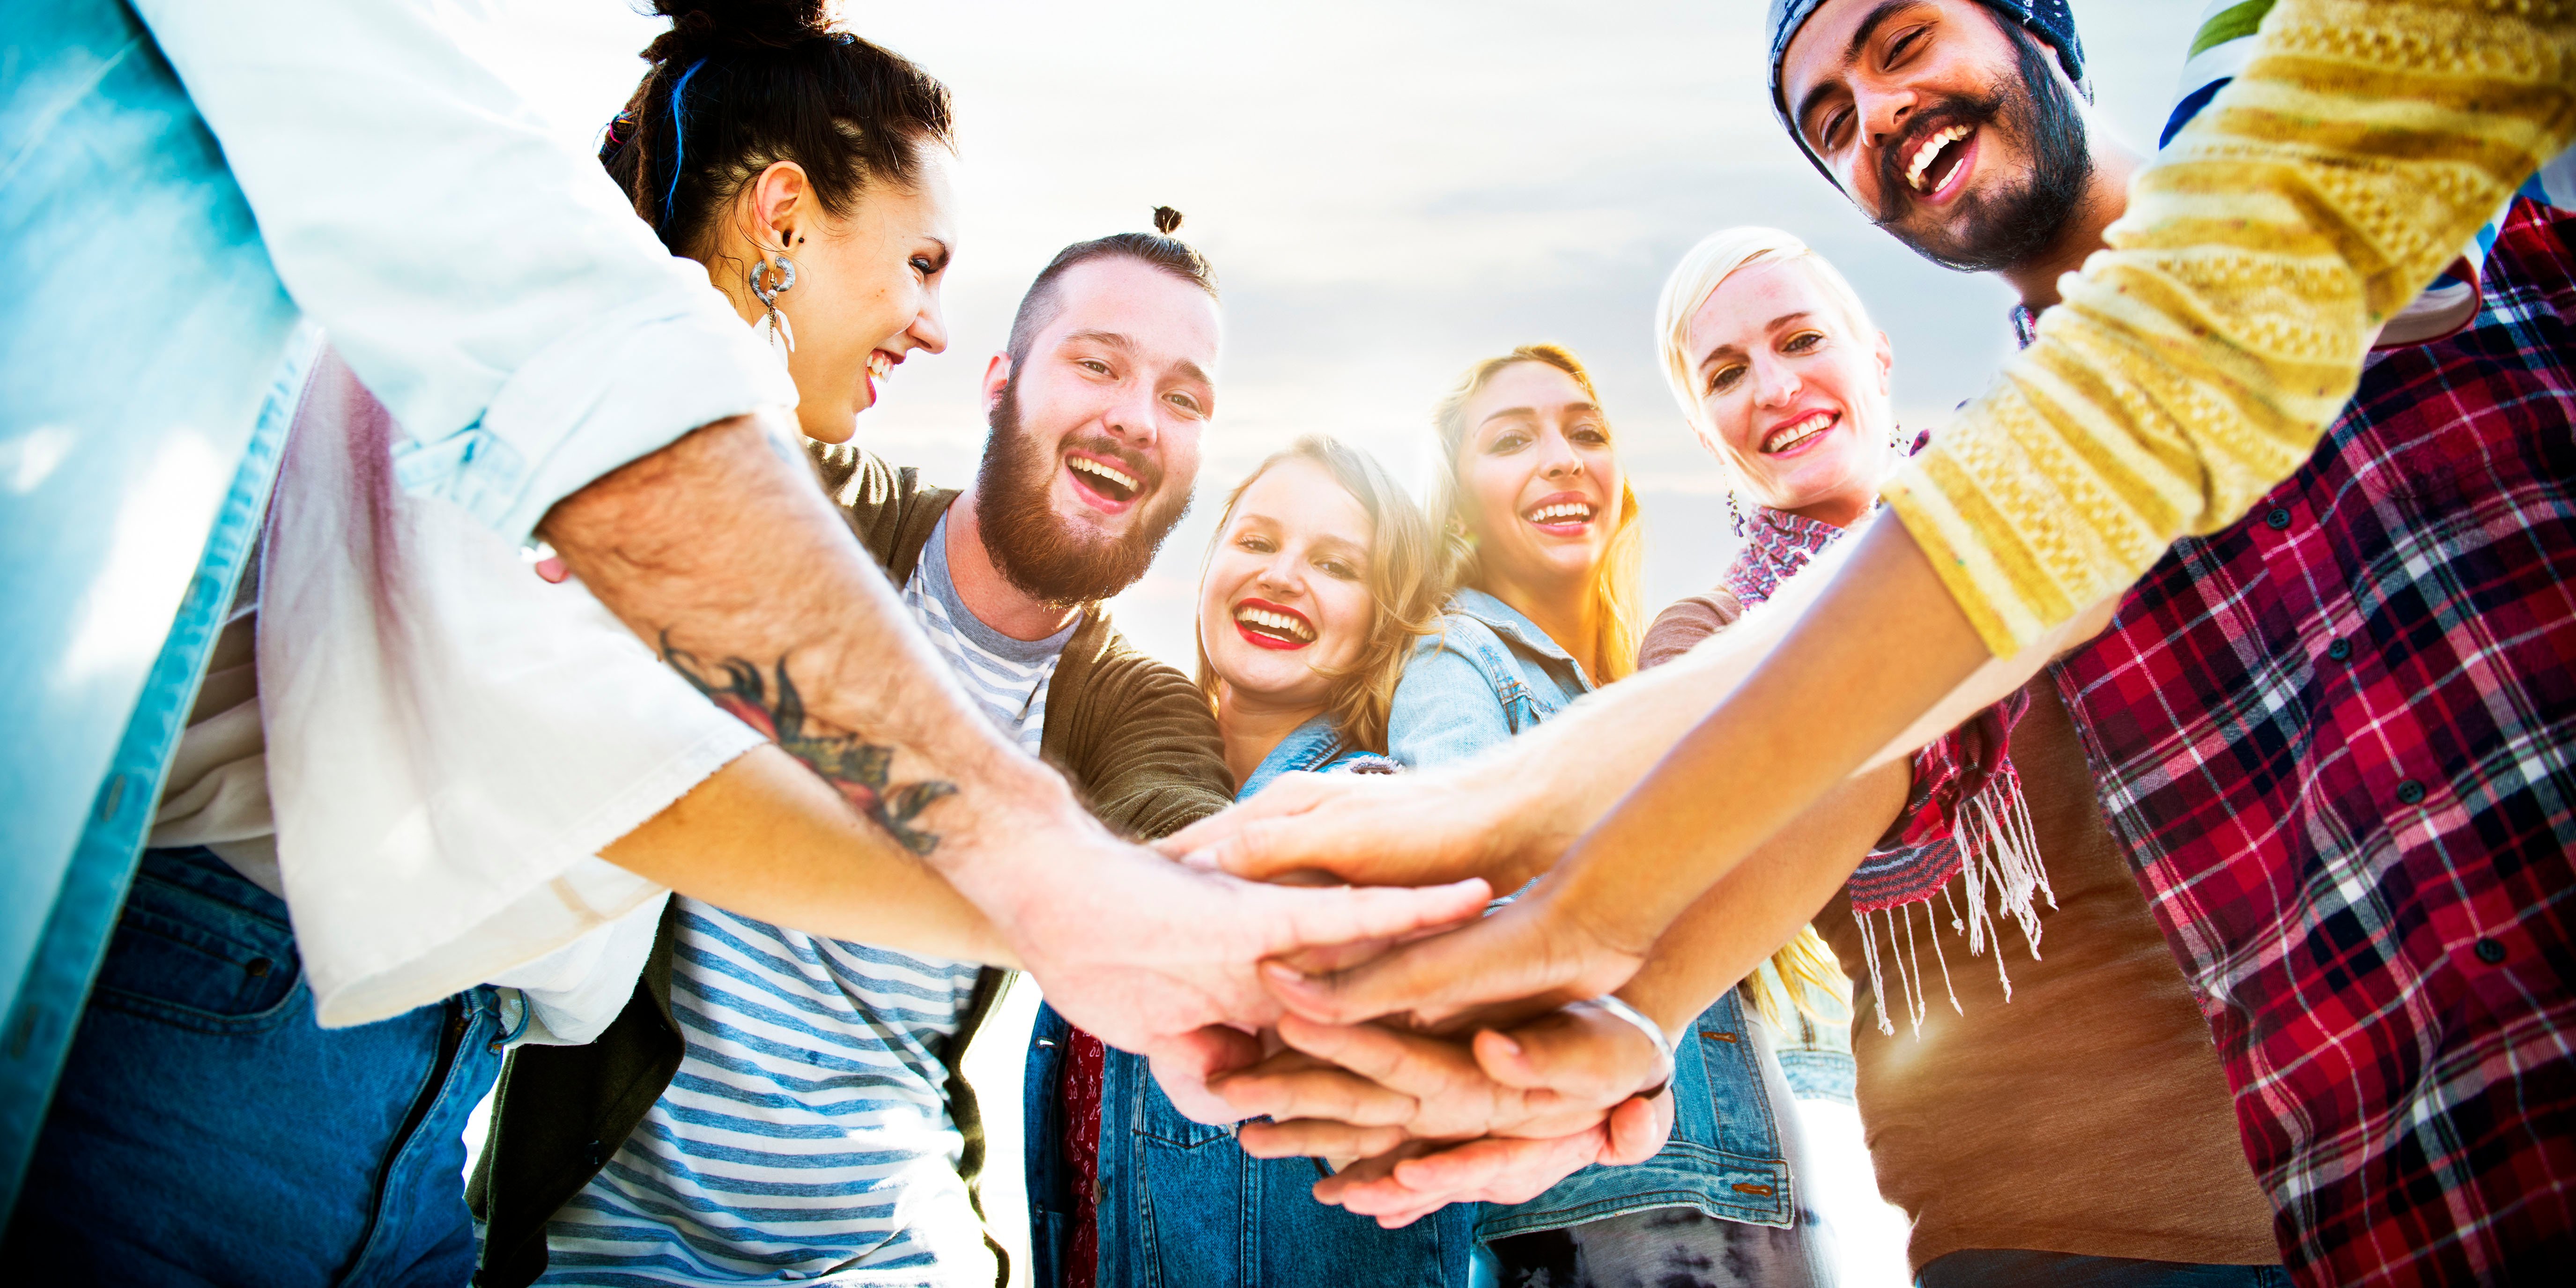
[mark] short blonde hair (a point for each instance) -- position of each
(1618, 586)
(1403, 581)
(1804, 962)
(1719, 256)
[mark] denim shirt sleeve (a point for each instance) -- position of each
(482, 275)
(1444, 710)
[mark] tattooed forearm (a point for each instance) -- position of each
(857, 768)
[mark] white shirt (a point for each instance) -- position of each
(451, 741)
(460, 738)
(486, 280)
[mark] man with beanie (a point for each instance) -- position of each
(2335, 737)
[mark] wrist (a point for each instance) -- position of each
(1534, 831)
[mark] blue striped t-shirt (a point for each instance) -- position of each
(806, 1136)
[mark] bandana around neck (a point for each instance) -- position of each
(1964, 820)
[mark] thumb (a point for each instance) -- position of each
(1301, 917)
(1289, 794)
(1638, 1130)
(1433, 978)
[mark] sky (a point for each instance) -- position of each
(1389, 192)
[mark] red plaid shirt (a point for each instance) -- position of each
(2338, 740)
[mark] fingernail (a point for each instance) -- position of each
(1510, 1047)
(1282, 972)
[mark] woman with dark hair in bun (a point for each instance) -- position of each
(771, 1103)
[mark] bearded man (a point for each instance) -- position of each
(2333, 738)
(1096, 412)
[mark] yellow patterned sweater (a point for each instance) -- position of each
(2198, 358)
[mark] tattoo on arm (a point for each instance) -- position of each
(855, 767)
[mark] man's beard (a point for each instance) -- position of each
(2010, 225)
(1033, 549)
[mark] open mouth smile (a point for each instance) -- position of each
(1788, 438)
(881, 365)
(1562, 515)
(1939, 159)
(1108, 486)
(1268, 625)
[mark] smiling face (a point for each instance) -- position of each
(866, 293)
(1284, 605)
(1095, 436)
(1538, 481)
(1962, 138)
(1792, 394)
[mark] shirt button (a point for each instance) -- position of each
(2278, 519)
(2411, 792)
(2490, 952)
(2339, 649)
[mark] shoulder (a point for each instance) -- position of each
(888, 506)
(1447, 707)
(1685, 624)
(1133, 733)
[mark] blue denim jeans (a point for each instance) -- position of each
(207, 1132)
(2023, 1268)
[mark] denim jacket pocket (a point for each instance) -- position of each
(1159, 1122)
(1724, 1157)
(199, 947)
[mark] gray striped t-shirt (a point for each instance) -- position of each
(806, 1135)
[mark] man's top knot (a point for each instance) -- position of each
(1166, 220)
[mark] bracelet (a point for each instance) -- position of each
(1654, 1033)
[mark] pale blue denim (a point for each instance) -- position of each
(1181, 1205)
(1487, 674)
(136, 453)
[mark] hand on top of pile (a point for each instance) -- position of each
(1143, 953)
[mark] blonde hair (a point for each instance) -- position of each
(1719, 256)
(1618, 585)
(1804, 965)
(1403, 581)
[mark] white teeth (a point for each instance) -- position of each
(879, 365)
(1562, 512)
(1090, 466)
(1278, 623)
(1797, 431)
(1932, 148)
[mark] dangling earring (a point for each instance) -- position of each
(771, 278)
(1734, 513)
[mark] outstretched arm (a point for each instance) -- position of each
(722, 550)
(2194, 364)
(770, 819)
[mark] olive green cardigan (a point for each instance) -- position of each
(1134, 736)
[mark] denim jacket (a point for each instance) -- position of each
(1489, 673)
(1180, 1205)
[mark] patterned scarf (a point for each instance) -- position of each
(1964, 818)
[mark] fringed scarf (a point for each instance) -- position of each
(1964, 819)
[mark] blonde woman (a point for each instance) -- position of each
(1322, 574)
(1545, 552)
(2049, 1119)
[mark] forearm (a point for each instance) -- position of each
(766, 838)
(1882, 643)
(1765, 900)
(723, 553)
(2199, 356)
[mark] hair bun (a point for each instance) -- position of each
(703, 27)
(1167, 221)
